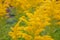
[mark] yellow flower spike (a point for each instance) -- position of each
(16, 33)
(17, 28)
(38, 19)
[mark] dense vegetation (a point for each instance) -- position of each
(29, 19)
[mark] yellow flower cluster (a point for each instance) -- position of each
(3, 7)
(45, 10)
(35, 25)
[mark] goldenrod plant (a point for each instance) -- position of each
(29, 19)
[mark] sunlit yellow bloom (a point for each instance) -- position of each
(45, 10)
